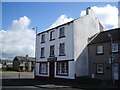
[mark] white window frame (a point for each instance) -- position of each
(100, 49)
(62, 49)
(62, 68)
(52, 35)
(100, 68)
(43, 68)
(115, 49)
(62, 32)
(52, 50)
(42, 38)
(42, 52)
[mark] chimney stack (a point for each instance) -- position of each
(87, 10)
(90, 12)
(26, 55)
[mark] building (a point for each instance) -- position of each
(62, 52)
(6, 64)
(0, 66)
(100, 55)
(21, 63)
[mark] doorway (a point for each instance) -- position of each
(51, 69)
(115, 71)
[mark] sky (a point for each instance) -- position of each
(18, 19)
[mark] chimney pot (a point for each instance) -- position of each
(26, 55)
(87, 10)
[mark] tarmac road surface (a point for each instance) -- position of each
(25, 80)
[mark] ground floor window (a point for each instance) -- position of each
(100, 68)
(43, 68)
(62, 68)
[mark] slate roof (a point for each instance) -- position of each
(7, 61)
(24, 58)
(102, 37)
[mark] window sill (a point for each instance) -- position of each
(52, 56)
(42, 57)
(99, 53)
(44, 73)
(42, 42)
(100, 73)
(114, 52)
(62, 55)
(61, 37)
(62, 74)
(51, 39)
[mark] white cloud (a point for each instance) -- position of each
(18, 40)
(61, 20)
(107, 15)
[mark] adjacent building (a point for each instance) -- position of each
(104, 55)
(6, 64)
(21, 63)
(62, 51)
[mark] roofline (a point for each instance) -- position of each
(109, 30)
(59, 25)
(94, 37)
(24, 56)
(56, 27)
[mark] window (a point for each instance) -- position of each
(115, 47)
(52, 50)
(21, 62)
(62, 68)
(52, 35)
(42, 52)
(43, 38)
(43, 68)
(99, 68)
(62, 32)
(62, 49)
(100, 49)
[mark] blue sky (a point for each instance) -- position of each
(18, 19)
(43, 14)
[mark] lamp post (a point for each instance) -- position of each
(111, 58)
(35, 28)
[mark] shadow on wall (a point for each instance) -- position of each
(81, 64)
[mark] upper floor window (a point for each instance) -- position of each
(100, 49)
(52, 35)
(43, 38)
(52, 50)
(62, 49)
(62, 32)
(42, 52)
(100, 68)
(21, 62)
(115, 47)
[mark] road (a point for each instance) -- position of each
(16, 75)
(35, 84)
(25, 80)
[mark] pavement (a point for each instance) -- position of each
(34, 84)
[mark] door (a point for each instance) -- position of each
(51, 69)
(115, 71)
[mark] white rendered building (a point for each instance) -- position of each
(62, 52)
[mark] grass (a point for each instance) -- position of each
(7, 71)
